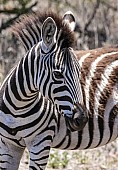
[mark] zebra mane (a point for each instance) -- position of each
(28, 29)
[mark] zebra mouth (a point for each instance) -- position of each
(79, 119)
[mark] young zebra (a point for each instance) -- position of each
(99, 86)
(29, 120)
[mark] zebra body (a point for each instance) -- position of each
(98, 72)
(102, 104)
(54, 132)
(27, 119)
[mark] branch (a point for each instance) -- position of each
(109, 6)
(92, 15)
(69, 4)
(8, 23)
(18, 12)
(10, 11)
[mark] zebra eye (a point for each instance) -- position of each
(58, 74)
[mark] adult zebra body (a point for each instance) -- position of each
(40, 127)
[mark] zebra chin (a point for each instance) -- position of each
(79, 119)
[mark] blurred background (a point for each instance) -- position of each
(96, 26)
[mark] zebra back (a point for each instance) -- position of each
(98, 73)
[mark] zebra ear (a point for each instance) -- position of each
(49, 30)
(69, 19)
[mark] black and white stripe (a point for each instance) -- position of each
(27, 119)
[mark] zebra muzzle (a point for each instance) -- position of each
(79, 119)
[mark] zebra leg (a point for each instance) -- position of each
(39, 151)
(10, 155)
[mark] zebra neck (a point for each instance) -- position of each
(20, 94)
(25, 76)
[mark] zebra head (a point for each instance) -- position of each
(60, 82)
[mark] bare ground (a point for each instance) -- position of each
(102, 158)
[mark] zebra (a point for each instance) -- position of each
(57, 63)
(91, 81)
(27, 119)
(30, 35)
(43, 127)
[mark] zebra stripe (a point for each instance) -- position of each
(91, 75)
(104, 82)
(27, 119)
(64, 139)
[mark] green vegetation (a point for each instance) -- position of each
(58, 160)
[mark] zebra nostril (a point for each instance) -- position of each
(78, 110)
(79, 120)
